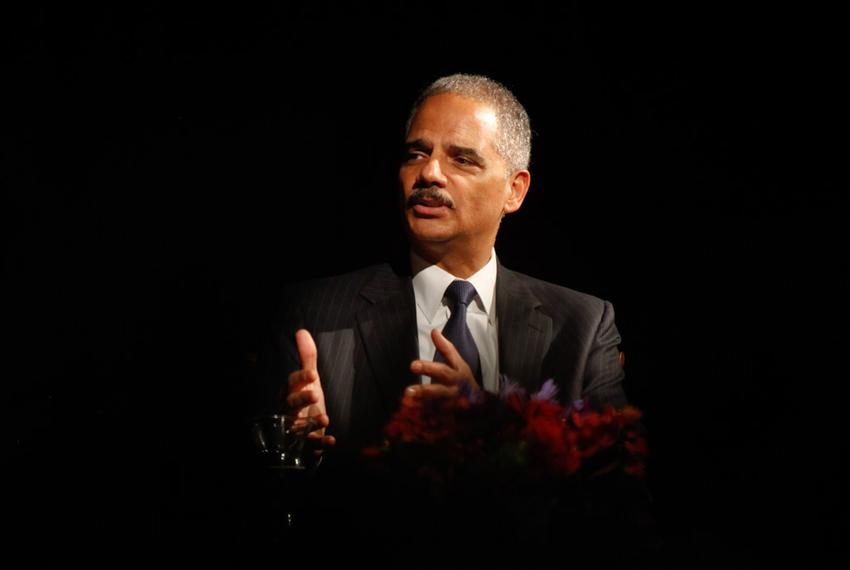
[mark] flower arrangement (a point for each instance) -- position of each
(508, 466)
(511, 437)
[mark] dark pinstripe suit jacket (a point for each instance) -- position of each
(364, 325)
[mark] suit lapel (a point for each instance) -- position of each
(387, 327)
(525, 332)
(388, 330)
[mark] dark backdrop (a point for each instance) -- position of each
(167, 169)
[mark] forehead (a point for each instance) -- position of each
(448, 118)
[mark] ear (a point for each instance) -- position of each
(519, 183)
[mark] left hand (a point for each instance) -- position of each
(444, 375)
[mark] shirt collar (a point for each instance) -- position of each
(430, 282)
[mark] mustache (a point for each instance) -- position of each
(430, 194)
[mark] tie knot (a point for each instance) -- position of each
(460, 291)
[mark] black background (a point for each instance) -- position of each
(167, 169)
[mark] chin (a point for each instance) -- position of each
(428, 231)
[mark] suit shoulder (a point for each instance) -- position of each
(341, 281)
(328, 299)
(350, 283)
(558, 298)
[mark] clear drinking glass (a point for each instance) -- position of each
(280, 440)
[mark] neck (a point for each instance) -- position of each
(462, 264)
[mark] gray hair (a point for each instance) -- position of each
(513, 142)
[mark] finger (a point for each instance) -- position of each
(314, 423)
(300, 400)
(322, 420)
(327, 441)
(300, 378)
(411, 397)
(318, 422)
(318, 445)
(317, 440)
(438, 371)
(412, 394)
(306, 349)
(453, 358)
(438, 390)
(447, 349)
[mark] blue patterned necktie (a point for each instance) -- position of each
(460, 294)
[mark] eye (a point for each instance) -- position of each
(413, 155)
(465, 161)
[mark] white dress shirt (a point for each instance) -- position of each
(432, 311)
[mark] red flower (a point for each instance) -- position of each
(535, 438)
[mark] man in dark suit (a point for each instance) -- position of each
(367, 339)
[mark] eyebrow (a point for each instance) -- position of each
(418, 144)
(466, 151)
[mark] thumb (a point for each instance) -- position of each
(306, 349)
(447, 349)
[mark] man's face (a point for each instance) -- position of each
(455, 185)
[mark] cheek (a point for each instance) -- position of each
(404, 184)
(490, 198)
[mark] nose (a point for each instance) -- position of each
(432, 174)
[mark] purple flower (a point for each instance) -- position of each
(548, 392)
(510, 388)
